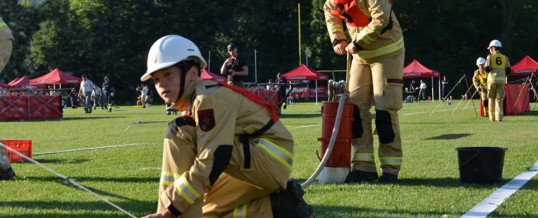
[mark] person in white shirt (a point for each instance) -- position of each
(97, 95)
(85, 92)
(422, 91)
(144, 94)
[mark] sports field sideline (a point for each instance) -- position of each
(118, 156)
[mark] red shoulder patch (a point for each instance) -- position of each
(206, 119)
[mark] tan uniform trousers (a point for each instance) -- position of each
(237, 192)
(369, 86)
(495, 98)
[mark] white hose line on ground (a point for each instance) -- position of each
(70, 180)
(329, 149)
(488, 205)
(85, 149)
(305, 126)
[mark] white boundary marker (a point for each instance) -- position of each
(488, 205)
(84, 149)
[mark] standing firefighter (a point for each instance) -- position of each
(6, 46)
(480, 78)
(498, 67)
(375, 79)
(228, 155)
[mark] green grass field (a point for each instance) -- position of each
(129, 175)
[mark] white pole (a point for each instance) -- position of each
(255, 67)
(316, 92)
(433, 94)
(439, 81)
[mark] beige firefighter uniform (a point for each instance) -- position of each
(480, 83)
(215, 161)
(496, 80)
(6, 45)
(375, 79)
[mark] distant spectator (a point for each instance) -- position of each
(281, 83)
(422, 90)
(109, 92)
(73, 98)
(97, 95)
(85, 92)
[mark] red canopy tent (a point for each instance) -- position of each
(416, 70)
(54, 77)
(19, 82)
(2, 85)
(206, 75)
(304, 72)
(526, 66)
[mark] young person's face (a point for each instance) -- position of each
(233, 52)
(168, 81)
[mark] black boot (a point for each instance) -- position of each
(290, 203)
(360, 176)
(7, 174)
(388, 178)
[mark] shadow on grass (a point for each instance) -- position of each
(57, 208)
(528, 113)
(449, 136)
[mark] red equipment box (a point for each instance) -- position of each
(22, 146)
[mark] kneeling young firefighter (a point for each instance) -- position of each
(228, 155)
(377, 47)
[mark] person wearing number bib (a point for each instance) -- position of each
(498, 67)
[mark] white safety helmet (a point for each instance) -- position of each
(495, 43)
(480, 60)
(170, 50)
(331, 81)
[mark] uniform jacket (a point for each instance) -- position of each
(221, 116)
(480, 78)
(383, 35)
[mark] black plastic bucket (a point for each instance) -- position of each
(481, 164)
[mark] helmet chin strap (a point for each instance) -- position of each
(182, 84)
(184, 67)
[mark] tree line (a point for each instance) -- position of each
(102, 37)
